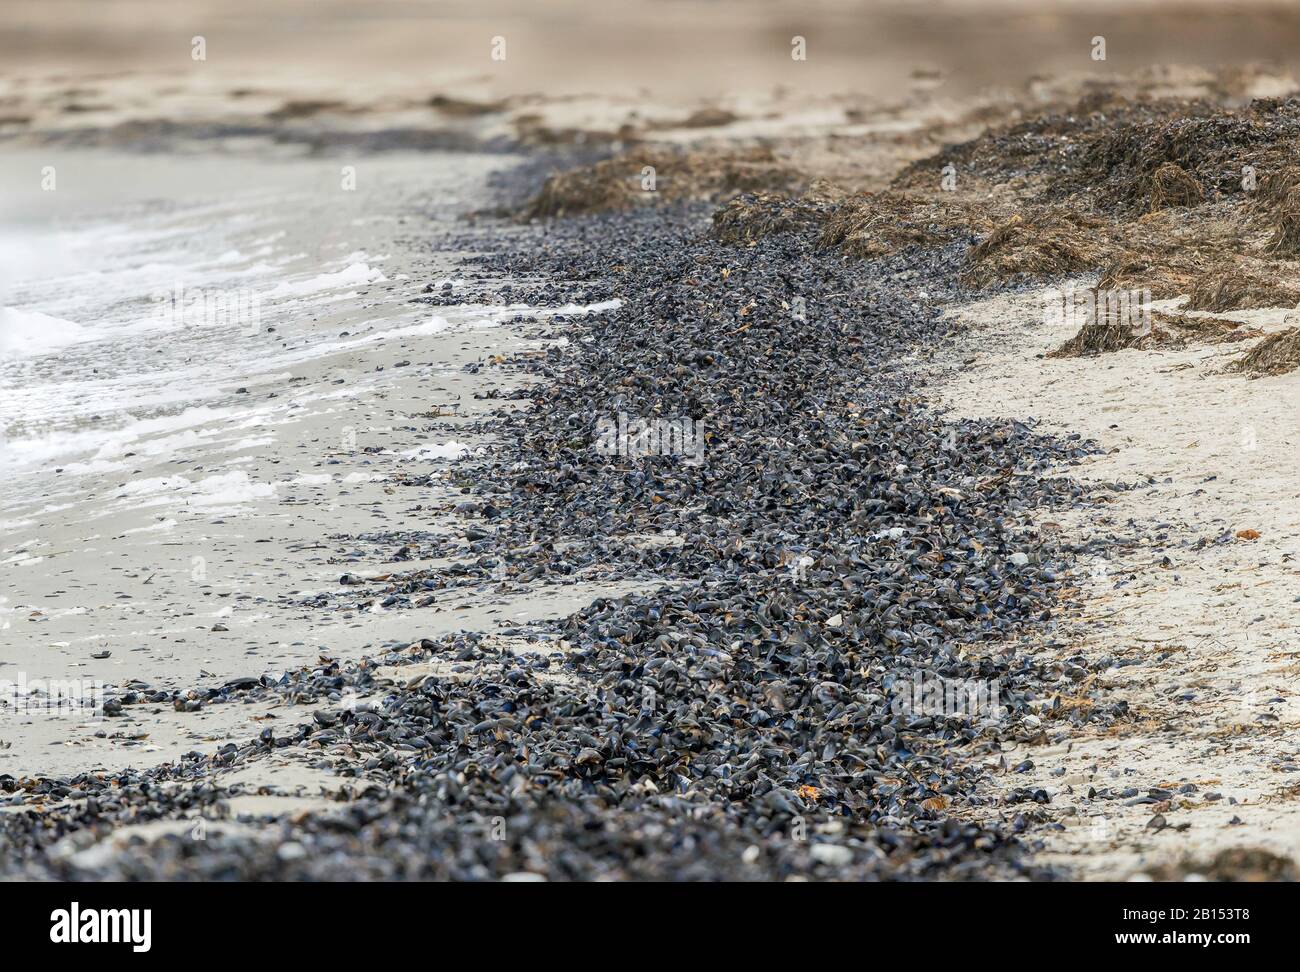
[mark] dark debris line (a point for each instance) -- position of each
(700, 731)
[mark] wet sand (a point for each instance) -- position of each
(184, 541)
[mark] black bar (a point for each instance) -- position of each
(804, 922)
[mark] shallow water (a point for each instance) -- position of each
(180, 476)
(140, 290)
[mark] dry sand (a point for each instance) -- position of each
(1213, 631)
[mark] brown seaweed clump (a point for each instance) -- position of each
(1277, 354)
(1163, 276)
(1122, 156)
(465, 107)
(1048, 243)
(1169, 253)
(706, 118)
(751, 217)
(1160, 331)
(872, 224)
(1179, 330)
(1240, 289)
(1172, 252)
(1285, 218)
(1171, 185)
(303, 109)
(1211, 145)
(1276, 205)
(1098, 338)
(1232, 864)
(644, 177)
(1274, 186)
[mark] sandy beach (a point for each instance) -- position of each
(1196, 620)
(171, 528)
(316, 487)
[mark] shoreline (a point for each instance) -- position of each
(1186, 621)
(875, 507)
(145, 557)
(631, 760)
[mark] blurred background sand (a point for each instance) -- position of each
(662, 47)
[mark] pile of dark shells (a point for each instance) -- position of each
(829, 540)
